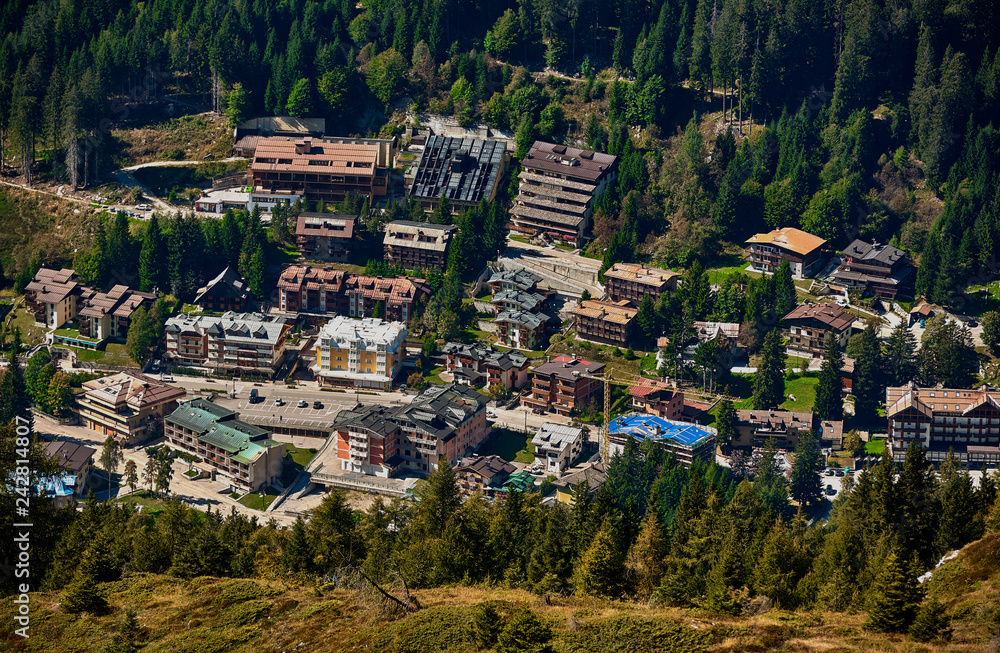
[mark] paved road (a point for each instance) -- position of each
(200, 494)
(125, 177)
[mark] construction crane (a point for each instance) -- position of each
(604, 438)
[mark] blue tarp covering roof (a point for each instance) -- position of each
(651, 427)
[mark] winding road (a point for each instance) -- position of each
(125, 177)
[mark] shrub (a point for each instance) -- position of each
(931, 623)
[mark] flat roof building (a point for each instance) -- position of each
(557, 191)
(688, 442)
(321, 170)
(465, 170)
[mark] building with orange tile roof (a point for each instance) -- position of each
(325, 236)
(320, 169)
(605, 322)
(304, 289)
(801, 249)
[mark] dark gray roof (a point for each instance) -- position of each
(885, 254)
(227, 284)
(523, 279)
(460, 169)
(526, 300)
(530, 320)
(70, 456)
(487, 355)
(564, 367)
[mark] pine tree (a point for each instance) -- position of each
(599, 570)
(931, 623)
(805, 483)
(646, 318)
(784, 290)
(524, 633)
(727, 423)
(152, 257)
(829, 404)
(769, 380)
(900, 356)
(15, 401)
(332, 534)
(131, 475)
(645, 558)
(894, 598)
(297, 554)
(869, 385)
(991, 331)
(83, 593)
(774, 575)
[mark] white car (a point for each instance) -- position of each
(278, 401)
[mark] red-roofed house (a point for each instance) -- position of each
(657, 398)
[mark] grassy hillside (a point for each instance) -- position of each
(208, 615)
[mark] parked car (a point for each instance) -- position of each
(278, 401)
(538, 411)
(303, 403)
(143, 207)
(829, 472)
(255, 396)
(155, 367)
(317, 404)
(830, 491)
(840, 472)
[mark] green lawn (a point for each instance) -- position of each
(804, 389)
(874, 447)
(295, 461)
(521, 239)
(151, 504)
(718, 275)
(254, 501)
(509, 445)
(31, 334)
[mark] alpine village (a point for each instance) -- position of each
(518, 326)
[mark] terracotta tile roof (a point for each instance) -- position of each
(930, 401)
(790, 238)
(646, 387)
(325, 225)
(279, 154)
(831, 315)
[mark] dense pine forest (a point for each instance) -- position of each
(849, 119)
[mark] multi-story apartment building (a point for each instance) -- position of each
(109, 315)
(364, 353)
(325, 236)
(129, 406)
(53, 297)
(783, 427)
(417, 245)
(519, 300)
(464, 170)
(241, 454)
(226, 292)
(328, 169)
(802, 250)
(250, 343)
(479, 363)
(657, 398)
(966, 421)
(513, 281)
(557, 190)
(442, 423)
(520, 329)
(688, 442)
(881, 270)
(605, 322)
(565, 384)
(302, 289)
(557, 446)
(630, 282)
(808, 326)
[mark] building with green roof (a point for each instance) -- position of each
(242, 454)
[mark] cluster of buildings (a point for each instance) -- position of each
(482, 365)
(876, 269)
(324, 291)
(58, 301)
(246, 343)
(520, 306)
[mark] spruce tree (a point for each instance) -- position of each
(645, 558)
(769, 380)
(152, 257)
(894, 597)
(774, 575)
(83, 593)
(645, 318)
(900, 356)
(784, 290)
(931, 623)
(599, 570)
(15, 400)
(829, 403)
(869, 385)
(805, 483)
(727, 423)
